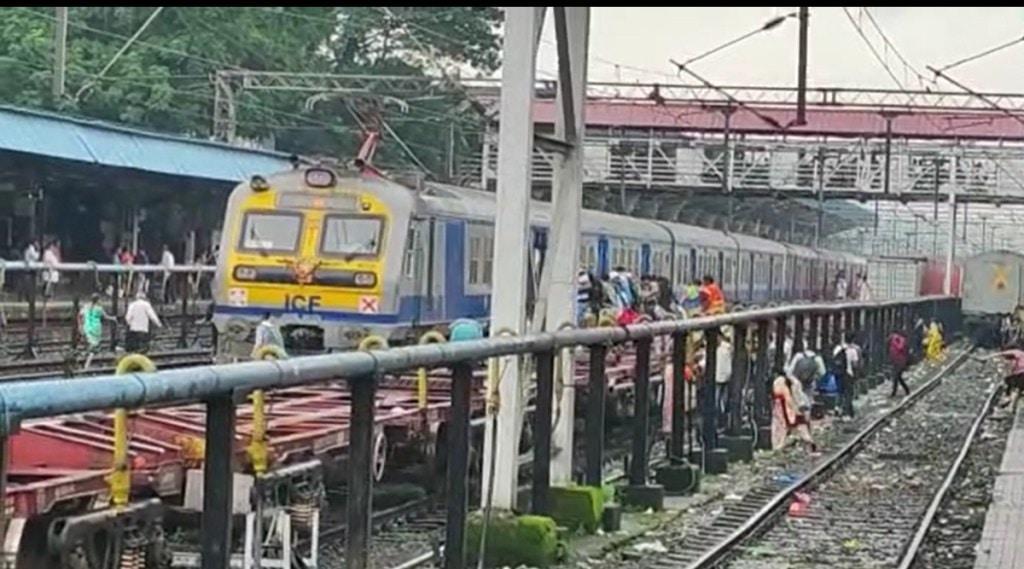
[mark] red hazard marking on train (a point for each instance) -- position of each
(368, 304)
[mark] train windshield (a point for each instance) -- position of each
(271, 232)
(351, 236)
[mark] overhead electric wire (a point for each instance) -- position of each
(881, 60)
(979, 55)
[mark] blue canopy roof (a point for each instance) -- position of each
(97, 142)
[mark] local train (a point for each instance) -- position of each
(337, 255)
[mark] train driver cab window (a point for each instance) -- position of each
(271, 232)
(351, 236)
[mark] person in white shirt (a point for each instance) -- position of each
(51, 258)
(863, 289)
(167, 260)
(267, 334)
(138, 316)
(723, 371)
(841, 286)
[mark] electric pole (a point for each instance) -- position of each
(60, 52)
(801, 69)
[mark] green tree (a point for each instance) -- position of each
(163, 81)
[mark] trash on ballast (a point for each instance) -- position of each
(650, 547)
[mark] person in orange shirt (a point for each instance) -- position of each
(712, 299)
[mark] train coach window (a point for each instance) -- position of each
(347, 235)
(271, 232)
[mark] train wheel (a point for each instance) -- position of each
(380, 456)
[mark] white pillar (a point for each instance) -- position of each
(563, 245)
(511, 240)
(951, 251)
(948, 285)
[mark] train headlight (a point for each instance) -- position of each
(243, 273)
(320, 178)
(258, 184)
(365, 279)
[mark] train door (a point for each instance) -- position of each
(645, 258)
(602, 256)
(720, 269)
(750, 277)
(417, 269)
(693, 264)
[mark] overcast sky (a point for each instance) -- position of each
(635, 44)
(641, 40)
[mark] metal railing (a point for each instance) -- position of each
(221, 387)
(683, 161)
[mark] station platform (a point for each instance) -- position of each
(1002, 541)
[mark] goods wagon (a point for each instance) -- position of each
(992, 289)
(933, 279)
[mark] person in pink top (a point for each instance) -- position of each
(1013, 381)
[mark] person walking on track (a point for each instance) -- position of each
(842, 365)
(1013, 381)
(90, 323)
(139, 316)
(899, 359)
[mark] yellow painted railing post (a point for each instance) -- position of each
(373, 342)
(120, 478)
(431, 337)
(259, 455)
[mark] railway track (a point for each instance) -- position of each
(860, 506)
(952, 538)
(55, 338)
(164, 356)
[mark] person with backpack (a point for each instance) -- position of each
(842, 364)
(899, 360)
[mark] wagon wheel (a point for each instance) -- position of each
(380, 456)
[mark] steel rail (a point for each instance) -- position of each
(714, 556)
(914, 547)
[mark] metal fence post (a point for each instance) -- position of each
(826, 333)
(813, 334)
(360, 471)
(716, 460)
(779, 357)
(596, 401)
(30, 346)
(183, 334)
(798, 333)
(641, 413)
(457, 481)
(737, 441)
(762, 402)
(218, 483)
(542, 414)
(679, 397)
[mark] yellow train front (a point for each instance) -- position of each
(312, 248)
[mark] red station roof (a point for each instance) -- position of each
(964, 124)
